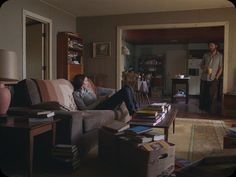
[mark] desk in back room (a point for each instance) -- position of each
(176, 81)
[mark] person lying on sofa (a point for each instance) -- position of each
(85, 98)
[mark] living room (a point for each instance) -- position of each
(108, 27)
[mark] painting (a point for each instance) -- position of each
(101, 49)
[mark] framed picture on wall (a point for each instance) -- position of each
(101, 49)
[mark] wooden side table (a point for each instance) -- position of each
(28, 130)
(176, 81)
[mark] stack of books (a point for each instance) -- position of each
(138, 135)
(151, 115)
(66, 155)
(137, 130)
(34, 117)
(135, 135)
(161, 107)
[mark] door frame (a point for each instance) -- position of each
(28, 14)
(171, 26)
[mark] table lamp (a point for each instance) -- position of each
(8, 72)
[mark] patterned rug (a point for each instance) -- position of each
(193, 138)
(197, 138)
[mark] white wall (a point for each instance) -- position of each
(11, 33)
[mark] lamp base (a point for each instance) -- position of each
(5, 98)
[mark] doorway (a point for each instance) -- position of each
(36, 46)
(121, 29)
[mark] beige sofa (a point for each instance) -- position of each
(76, 126)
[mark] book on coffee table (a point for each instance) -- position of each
(116, 126)
(137, 130)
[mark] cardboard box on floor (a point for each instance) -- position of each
(141, 163)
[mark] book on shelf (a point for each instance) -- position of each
(137, 130)
(116, 126)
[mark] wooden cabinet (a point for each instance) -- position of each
(69, 55)
(154, 65)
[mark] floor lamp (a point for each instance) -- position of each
(8, 72)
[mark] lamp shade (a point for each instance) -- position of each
(8, 72)
(8, 65)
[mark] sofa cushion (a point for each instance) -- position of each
(59, 90)
(26, 93)
(94, 119)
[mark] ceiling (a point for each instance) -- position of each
(80, 8)
(176, 35)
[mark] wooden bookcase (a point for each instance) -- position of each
(69, 55)
(156, 66)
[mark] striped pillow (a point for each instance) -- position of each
(59, 90)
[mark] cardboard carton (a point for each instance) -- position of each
(142, 163)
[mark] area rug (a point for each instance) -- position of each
(197, 138)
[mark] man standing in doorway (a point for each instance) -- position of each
(211, 66)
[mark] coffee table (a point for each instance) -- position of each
(165, 123)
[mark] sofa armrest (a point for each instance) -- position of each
(70, 127)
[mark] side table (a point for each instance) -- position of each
(28, 130)
(176, 81)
